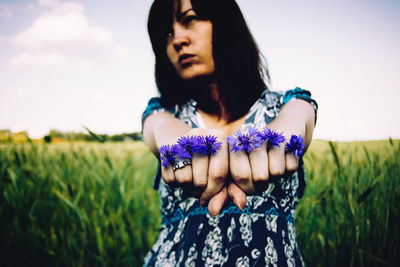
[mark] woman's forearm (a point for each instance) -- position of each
(162, 128)
(297, 116)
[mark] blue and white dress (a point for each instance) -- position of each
(263, 234)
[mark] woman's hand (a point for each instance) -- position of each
(206, 177)
(251, 171)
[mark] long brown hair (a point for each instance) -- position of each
(240, 67)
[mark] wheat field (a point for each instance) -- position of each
(91, 204)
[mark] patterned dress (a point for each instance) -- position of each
(263, 234)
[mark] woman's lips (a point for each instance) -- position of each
(186, 59)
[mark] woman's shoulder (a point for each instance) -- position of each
(299, 93)
(282, 97)
(271, 97)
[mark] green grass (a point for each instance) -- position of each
(87, 204)
(350, 212)
(77, 205)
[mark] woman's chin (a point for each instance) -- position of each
(194, 72)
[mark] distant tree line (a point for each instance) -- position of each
(6, 136)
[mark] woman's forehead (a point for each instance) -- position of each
(181, 6)
(185, 5)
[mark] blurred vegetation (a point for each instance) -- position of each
(92, 204)
(77, 204)
(6, 136)
(350, 211)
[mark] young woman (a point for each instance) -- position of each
(229, 208)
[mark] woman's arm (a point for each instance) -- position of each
(296, 117)
(161, 128)
(252, 171)
(205, 178)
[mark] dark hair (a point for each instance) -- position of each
(240, 68)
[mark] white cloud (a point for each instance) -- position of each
(40, 60)
(47, 60)
(63, 36)
(66, 25)
(5, 11)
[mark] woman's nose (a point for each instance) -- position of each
(181, 38)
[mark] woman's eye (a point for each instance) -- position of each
(170, 34)
(188, 20)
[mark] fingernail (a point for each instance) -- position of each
(237, 203)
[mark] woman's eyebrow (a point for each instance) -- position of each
(182, 14)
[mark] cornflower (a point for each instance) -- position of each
(207, 145)
(186, 146)
(295, 145)
(273, 137)
(168, 155)
(245, 141)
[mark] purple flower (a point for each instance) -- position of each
(207, 145)
(295, 145)
(273, 137)
(245, 141)
(168, 155)
(186, 146)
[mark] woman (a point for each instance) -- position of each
(211, 79)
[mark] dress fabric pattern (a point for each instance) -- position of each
(263, 234)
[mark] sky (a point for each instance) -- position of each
(67, 65)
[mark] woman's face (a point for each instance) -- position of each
(189, 45)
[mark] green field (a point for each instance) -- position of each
(89, 204)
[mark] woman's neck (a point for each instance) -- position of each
(217, 117)
(216, 97)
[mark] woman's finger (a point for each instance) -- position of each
(168, 175)
(259, 167)
(200, 173)
(183, 176)
(239, 165)
(217, 169)
(237, 195)
(217, 202)
(277, 161)
(292, 163)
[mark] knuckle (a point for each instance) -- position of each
(218, 179)
(200, 181)
(218, 176)
(291, 167)
(183, 179)
(241, 180)
(168, 179)
(183, 176)
(277, 171)
(260, 177)
(240, 174)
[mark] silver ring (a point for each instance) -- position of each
(181, 163)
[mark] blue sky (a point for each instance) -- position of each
(65, 65)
